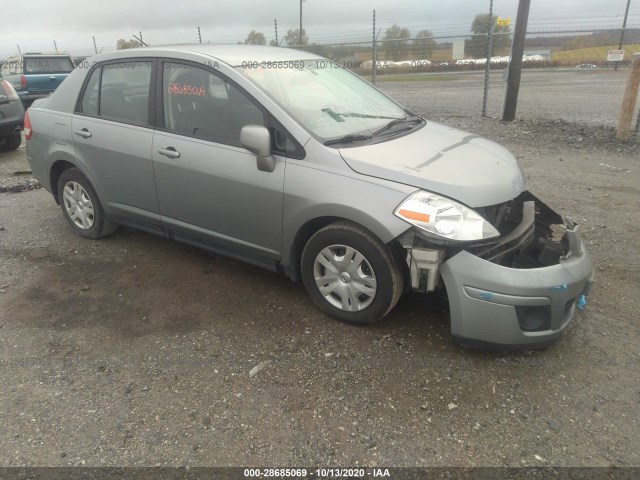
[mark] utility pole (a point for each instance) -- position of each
(275, 26)
(141, 41)
(199, 36)
(487, 67)
(624, 26)
(19, 51)
(55, 47)
(95, 48)
(515, 66)
(300, 43)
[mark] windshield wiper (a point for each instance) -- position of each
(347, 139)
(364, 115)
(339, 117)
(395, 122)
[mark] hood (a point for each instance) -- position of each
(443, 160)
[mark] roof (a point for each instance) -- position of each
(234, 55)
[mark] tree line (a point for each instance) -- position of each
(399, 44)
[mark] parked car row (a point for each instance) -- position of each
(11, 117)
(23, 79)
(36, 75)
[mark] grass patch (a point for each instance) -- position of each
(590, 54)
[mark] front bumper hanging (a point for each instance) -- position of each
(495, 306)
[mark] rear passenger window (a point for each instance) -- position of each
(124, 91)
(119, 91)
(202, 104)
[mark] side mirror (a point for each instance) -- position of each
(256, 139)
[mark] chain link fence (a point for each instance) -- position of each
(565, 74)
(450, 76)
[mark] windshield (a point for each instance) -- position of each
(47, 65)
(328, 100)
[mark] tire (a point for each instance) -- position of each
(360, 276)
(11, 142)
(81, 207)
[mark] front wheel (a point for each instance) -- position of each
(351, 275)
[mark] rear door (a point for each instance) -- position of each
(44, 74)
(112, 135)
(209, 187)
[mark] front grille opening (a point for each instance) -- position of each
(541, 244)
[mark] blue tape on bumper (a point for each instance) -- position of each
(582, 302)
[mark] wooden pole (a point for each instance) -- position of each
(629, 101)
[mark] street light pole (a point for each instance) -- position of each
(300, 43)
(624, 25)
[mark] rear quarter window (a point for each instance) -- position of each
(90, 98)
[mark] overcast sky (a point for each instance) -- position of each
(71, 23)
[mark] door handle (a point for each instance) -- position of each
(169, 152)
(52, 77)
(84, 133)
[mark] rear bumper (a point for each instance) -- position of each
(11, 117)
(7, 128)
(498, 307)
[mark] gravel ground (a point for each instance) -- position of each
(135, 350)
(586, 96)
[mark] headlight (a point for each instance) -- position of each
(445, 218)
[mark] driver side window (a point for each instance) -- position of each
(201, 104)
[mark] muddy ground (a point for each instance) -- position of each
(135, 350)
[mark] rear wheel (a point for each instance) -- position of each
(351, 275)
(11, 142)
(81, 207)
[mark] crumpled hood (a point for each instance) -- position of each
(443, 160)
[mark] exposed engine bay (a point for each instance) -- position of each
(532, 235)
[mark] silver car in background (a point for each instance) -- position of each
(286, 160)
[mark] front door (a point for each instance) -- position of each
(209, 188)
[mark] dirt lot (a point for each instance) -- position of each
(135, 350)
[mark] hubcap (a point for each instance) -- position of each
(78, 205)
(345, 278)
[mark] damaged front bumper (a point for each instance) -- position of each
(517, 292)
(505, 307)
